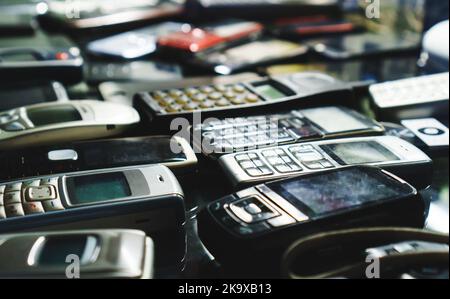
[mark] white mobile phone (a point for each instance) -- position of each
(50, 123)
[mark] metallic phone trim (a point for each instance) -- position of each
(397, 146)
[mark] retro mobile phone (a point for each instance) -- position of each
(417, 97)
(51, 123)
(363, 44)
(133, 44)
(191, 39)
(90, 14)
(148, 198)
(223, 100)
(390, 153)
(238, 134)
(248, 55)
(133, 71)
(261, 8)
(52, 64)
(17, 24)
(91, 155)
(123, 254)
(25, 94)
(263, 221)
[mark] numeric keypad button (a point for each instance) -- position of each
(15, 210)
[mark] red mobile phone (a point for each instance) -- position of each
(195, 40)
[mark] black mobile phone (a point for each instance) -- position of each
(174, 153)
(64, 65)
(25, 94)
(261, 8)
(365, 44)
(254, 226)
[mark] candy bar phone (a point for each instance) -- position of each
(29, 93)
(172, 152)
(390, 153)
(53, 123)
(263, 51)
(239, 134)
(39, 63)
(262, 222)
(192, 39)
(252, 96)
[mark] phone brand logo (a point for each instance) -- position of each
(373, 9)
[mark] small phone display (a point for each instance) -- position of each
(44, 116)
(334, 192)
(98, 188)
(355, 153)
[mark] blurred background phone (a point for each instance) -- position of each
(133, 71)
(25, 94)
(365, 44)
(132, 44)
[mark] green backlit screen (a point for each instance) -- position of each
(270, 92)
(98, 188)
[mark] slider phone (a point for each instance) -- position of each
(63, 65)
(390, 153)
(258, 224)
(53, 123)
(30, 93)
(241, 134)
(148, 198)
(133, 44)
(173, 152)
(418, 97)
(96, 14)
(250, 96)
(103, 254)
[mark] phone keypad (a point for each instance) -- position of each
(206, 97)
(285, 160)
(29, 198)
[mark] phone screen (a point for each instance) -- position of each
(98, 188)
(337, 191)
(355, 153)
(53, 115)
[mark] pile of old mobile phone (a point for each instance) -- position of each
(108, 253)
(172, 152)
(261, 9)
(251, 228)
(28, 93)
(86, 15)
(305, 27)
(250, 96)
(148, 198)
(29, 63)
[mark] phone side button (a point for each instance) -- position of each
(281, 221)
